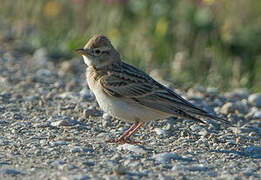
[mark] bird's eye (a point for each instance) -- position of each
(97, 52)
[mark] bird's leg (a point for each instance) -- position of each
(127, 138)
(122, 138)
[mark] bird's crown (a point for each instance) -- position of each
(98, 41)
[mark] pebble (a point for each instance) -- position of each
(203, 132)
(165, 158)
(199, 167)
(254, 113)
(75, 149)
(58, 143)
(40, 57)
(31, 98)
(79, 148)
(106, 116)
(91, 112)
(161, 132)
(255, 99)
(106, 120)
(131, 148)
(257, 115)
(11, 172)
(85, 93)
(69, 95)
(238, 94)
(57, 163)
(212, 91)
(230, 107)
(76, 177)
(62, 121)
(253, 151)
(67, 67)
(43, 73)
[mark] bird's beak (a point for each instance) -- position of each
(83, 51)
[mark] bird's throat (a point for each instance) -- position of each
(86, 61)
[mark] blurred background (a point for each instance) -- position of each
(214, 43)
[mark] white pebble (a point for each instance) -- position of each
(132, 148)
(164, 157)
(255, 99)
(160, 132)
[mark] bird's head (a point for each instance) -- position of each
(99, 52)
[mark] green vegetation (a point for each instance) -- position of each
(208, 42)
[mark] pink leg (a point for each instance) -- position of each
(127, 132)
(122, 138)
(134, 130)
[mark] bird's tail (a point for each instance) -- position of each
(185, 115)
(206, 114)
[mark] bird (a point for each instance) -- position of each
(127, 93)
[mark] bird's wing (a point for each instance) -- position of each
(128, 82)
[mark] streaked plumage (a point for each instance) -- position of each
(129, 93)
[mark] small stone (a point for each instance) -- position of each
(238, 106)
(106, 121)
(31, 98)
(254, 113)
(197, 168)
(43, 73)
(161, 132)
(194, 94)
(203, 132)
(17, 116)
(169, 127)
(164, 177)
(11, 172)
(228, 108)
(58, 143)
(212, 91)
(62, 121)
(106, 116)
(68, 95)
(76, 149)
(66, 67)
(57, 163)
(255, 99)
(253, 151)
(164, 157)
(40, 57)
(85, 93)
(132, 148)
(88, 163)
(238, 94)
(257, 115)
(76, 177)
(91, 113)
(241, 107)
(102, 135)
(235, 130)
(119, 171)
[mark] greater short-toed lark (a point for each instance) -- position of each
(130, 94)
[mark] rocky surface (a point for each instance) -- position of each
(52, 128)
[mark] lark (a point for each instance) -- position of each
(130, 94)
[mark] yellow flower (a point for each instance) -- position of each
(209, 1)
(52, 9)
(161, 27)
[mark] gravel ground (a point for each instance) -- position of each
(52, 128)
